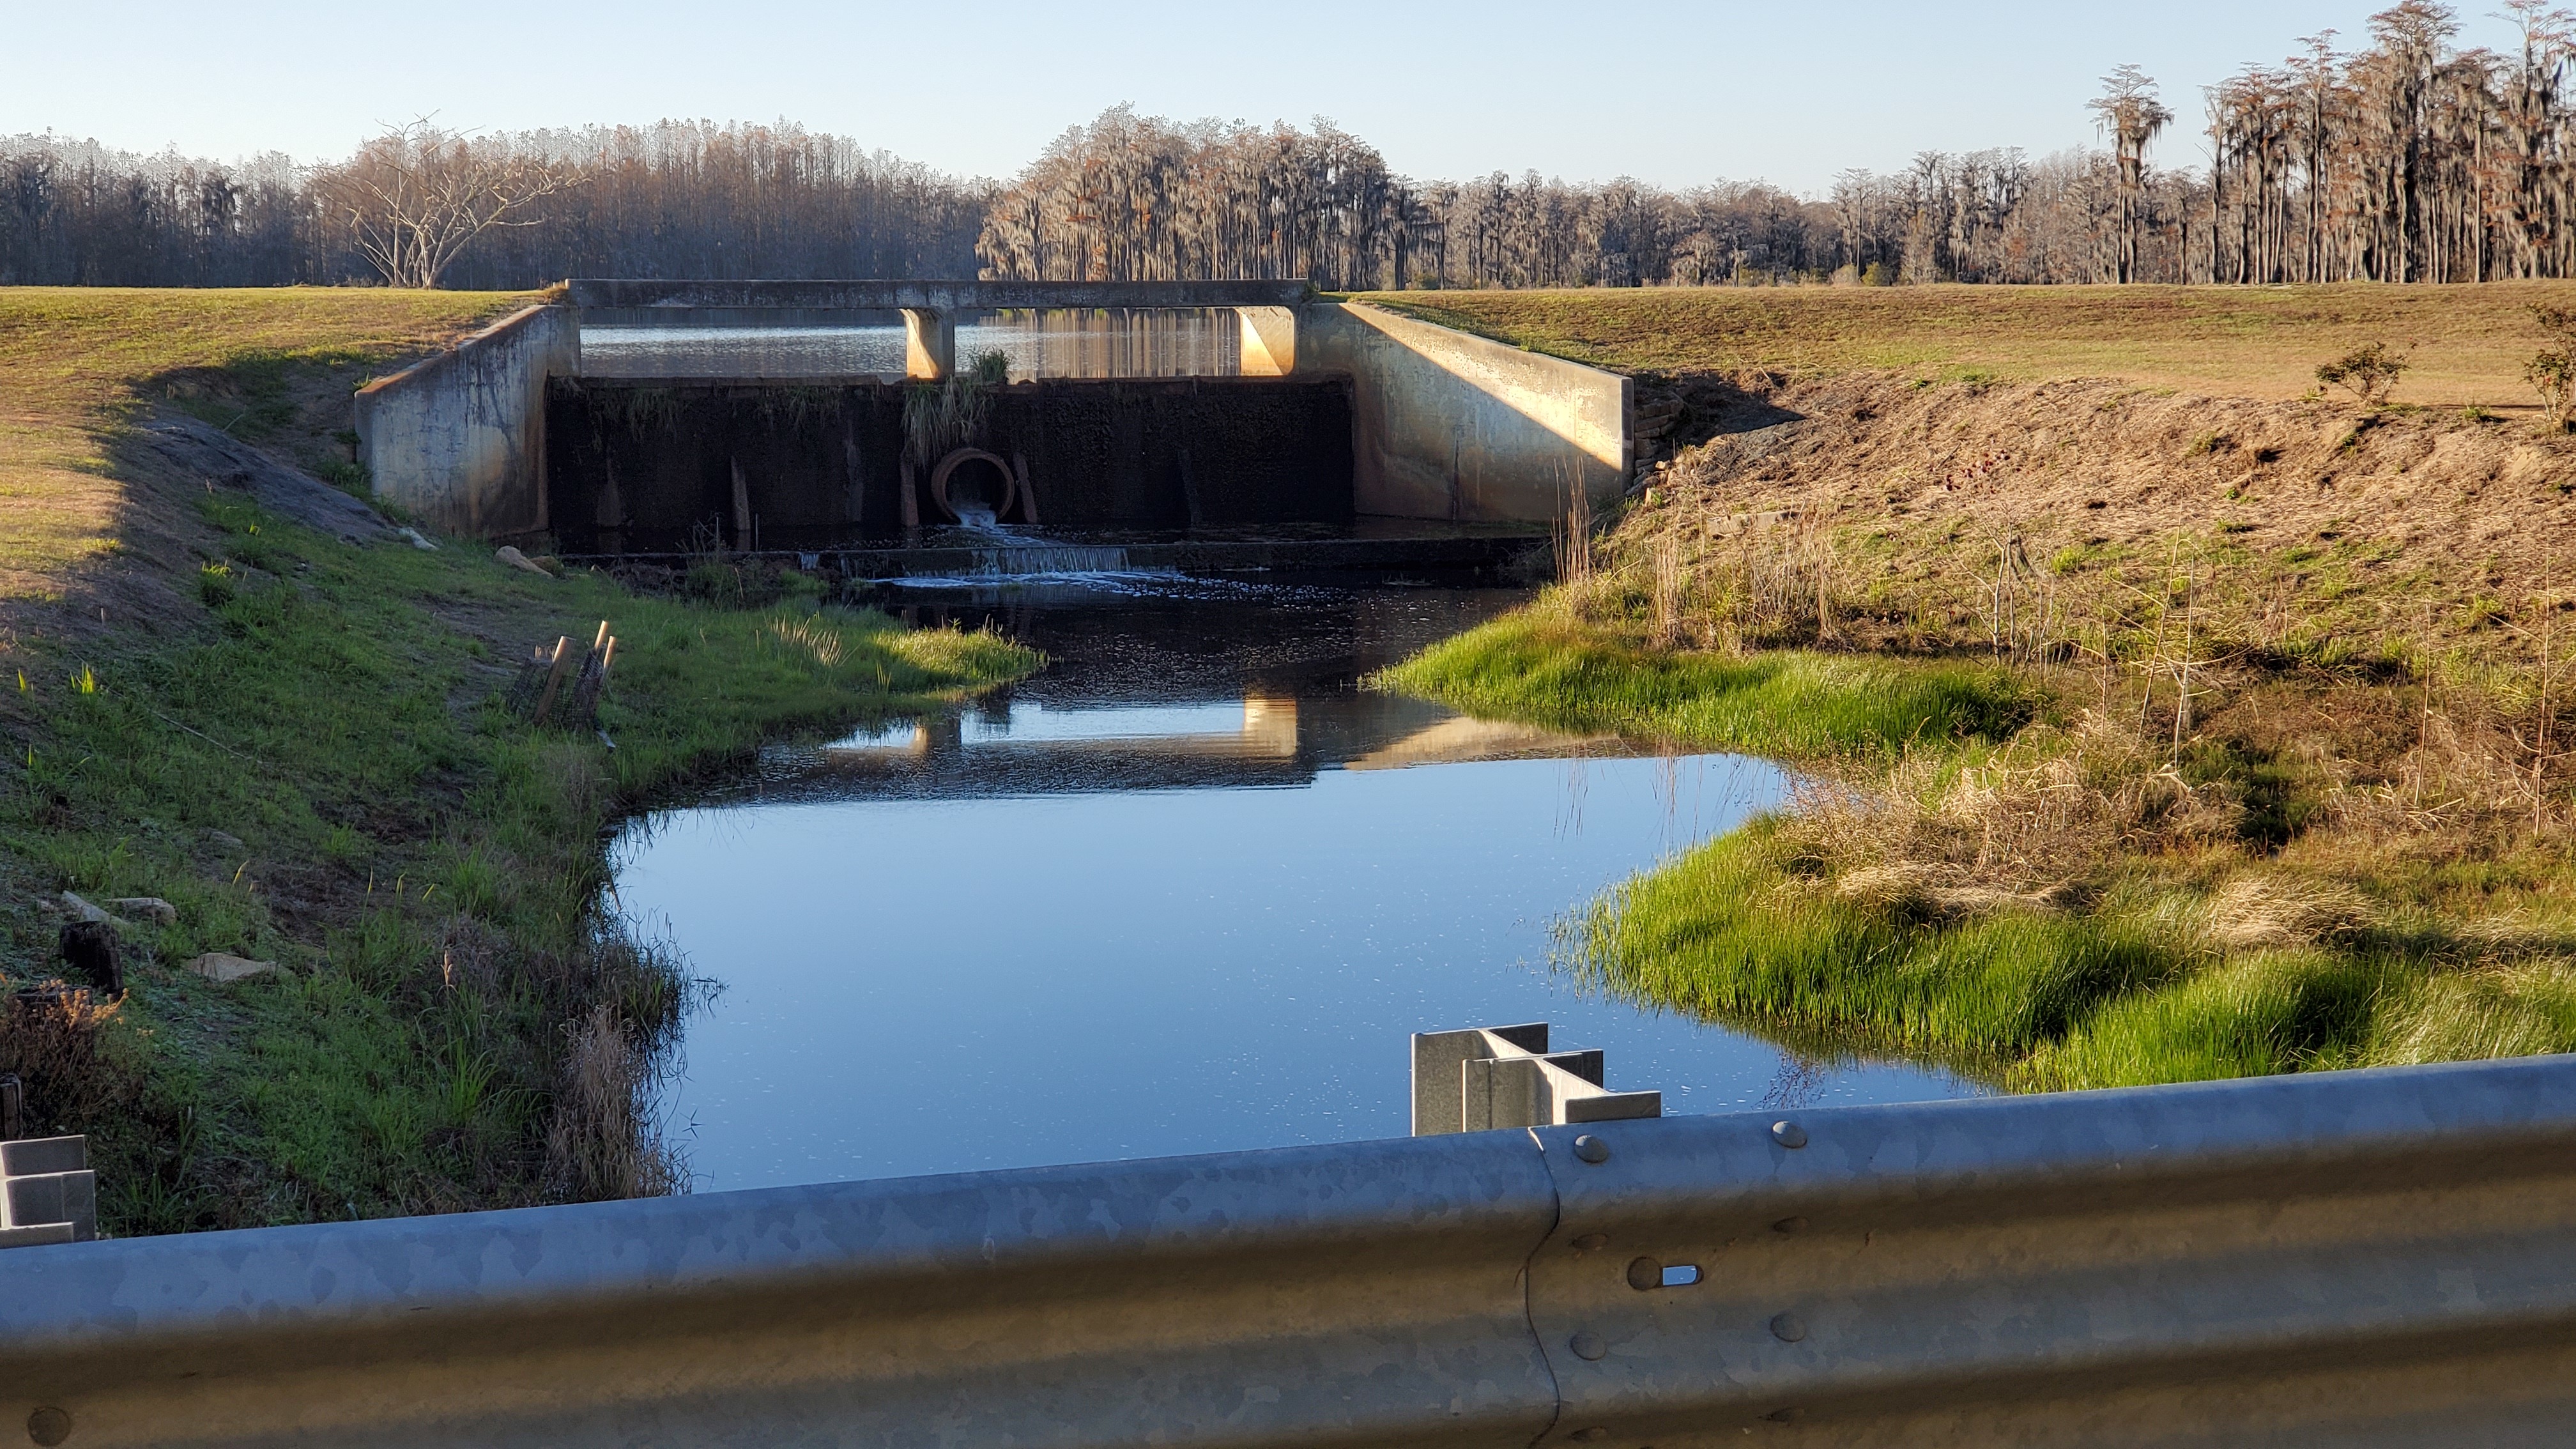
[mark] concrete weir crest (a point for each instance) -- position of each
(1434, 423)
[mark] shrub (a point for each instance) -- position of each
(2367, 372)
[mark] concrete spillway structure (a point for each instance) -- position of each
(1342, 410)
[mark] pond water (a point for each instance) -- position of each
(1108, 343)
(1187, 890)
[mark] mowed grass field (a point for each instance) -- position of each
(74, 360)
(2470, 342)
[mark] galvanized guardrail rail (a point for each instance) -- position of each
(2378, 1258)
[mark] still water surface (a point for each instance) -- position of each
(1105, 343)
(1188, 890)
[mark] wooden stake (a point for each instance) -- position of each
(554, 678)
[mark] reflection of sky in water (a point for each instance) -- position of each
(1064, 928)
(1162, 344)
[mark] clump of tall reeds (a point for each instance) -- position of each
(603, 1141)
(941, 417)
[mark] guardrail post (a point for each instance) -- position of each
(1438, 1057)
(1504, 1076)
(47, 1192)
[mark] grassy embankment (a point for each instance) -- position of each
(302, 745)
(2149, 735)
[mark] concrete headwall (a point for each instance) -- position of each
(459, 441)
(638, 464)
(1449, 425)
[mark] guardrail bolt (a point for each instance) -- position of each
(1591, 1148)
(1788, 1328)
(49, 1426)
(1591, 1242)
(1645, 1273)
(1786, 1133)
(1789, 1225)
(1589, 1348)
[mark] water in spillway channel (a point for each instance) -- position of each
(1187, 890)
(1201, 343)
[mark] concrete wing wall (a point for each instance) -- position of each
(459, 441)
(1454, 426)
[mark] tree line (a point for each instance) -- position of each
(2406, 159)
(680, 198)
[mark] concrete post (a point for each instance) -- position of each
(929, 344)
(1269, 340)
(1437, 1055)
(1504, 1076)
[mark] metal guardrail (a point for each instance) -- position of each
(2381, 1258)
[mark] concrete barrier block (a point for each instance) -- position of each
(458, 440)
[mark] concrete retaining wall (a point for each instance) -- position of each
(459, 441)
(635, 464)
(1453, 426)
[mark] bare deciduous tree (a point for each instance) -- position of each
(418, 195)
(2129, 111)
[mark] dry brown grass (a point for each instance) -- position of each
(2472, 342)
(2028, 519)
(58, 1041)
(602, 1143)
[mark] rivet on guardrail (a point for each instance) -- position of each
(49, 1426)
(1788, 1134)
(1591, 1242)
(1645, 1273)
(1587, 1346)
(1790, 1225)
(1788, 1328)
(1591, 1148)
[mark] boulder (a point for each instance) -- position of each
(219, 966)
(518, 560)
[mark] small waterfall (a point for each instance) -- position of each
(1039, 559)
(1003, 551)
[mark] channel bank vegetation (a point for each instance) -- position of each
(2141, 735)
(2406, 158)
(371, 961)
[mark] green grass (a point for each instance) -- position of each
(2123, 977)
(75, 361)
(302, 746)
(1737, 931)
(426, 865)
(1535, 665)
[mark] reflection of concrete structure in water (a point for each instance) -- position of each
(1276, 739)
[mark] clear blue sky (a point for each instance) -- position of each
(1676, 94)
